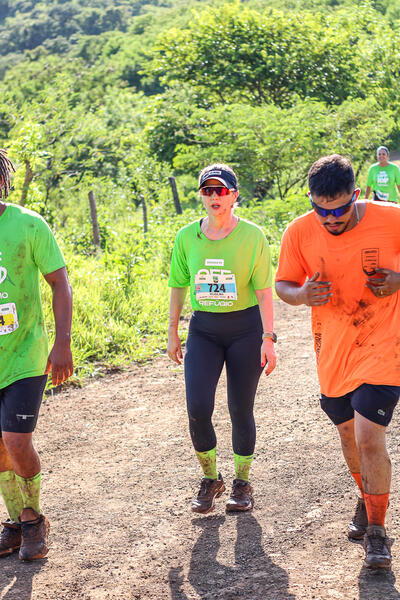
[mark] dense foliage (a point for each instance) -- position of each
(115, 97)
(57, 24)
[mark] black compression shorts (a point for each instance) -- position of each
(20, 403)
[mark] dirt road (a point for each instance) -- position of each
(119, 473)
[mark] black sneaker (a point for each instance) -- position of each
(359, 523)
(209, 490)
(241, 497)
(34, 544)
(10, 537)
(377, 548)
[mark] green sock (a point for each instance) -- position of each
(11, 493)
(242, 466)
(30, 491)
(208, 462)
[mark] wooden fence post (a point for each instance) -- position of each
(95, 224)
(144, 209)
(175, 195)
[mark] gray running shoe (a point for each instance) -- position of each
(377, 548)
(359, 523)
(209, 490)
(10, 537)
(241, 497)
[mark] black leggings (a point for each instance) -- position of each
(215, 338)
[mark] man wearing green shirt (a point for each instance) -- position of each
(383, 178)
(27, 248)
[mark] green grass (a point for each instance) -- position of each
(121, 296)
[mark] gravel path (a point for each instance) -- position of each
(120, 473)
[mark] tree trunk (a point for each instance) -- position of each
(27, 182)
(144, 209)
(95, 224)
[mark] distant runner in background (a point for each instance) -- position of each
(383, 177)
(226, 263)
(343, 259)
(27, 248)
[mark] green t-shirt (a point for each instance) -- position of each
(383, 181)
(222, 274)
(27, 246)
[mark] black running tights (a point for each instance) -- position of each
(214, 339)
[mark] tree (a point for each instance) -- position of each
(234, 54)
(27, 151)
(273, 148)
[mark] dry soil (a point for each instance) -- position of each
(119, 473)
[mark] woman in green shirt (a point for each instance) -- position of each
(383, 177)
(226, 263)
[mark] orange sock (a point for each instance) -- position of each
(376, 505)
(357, 479)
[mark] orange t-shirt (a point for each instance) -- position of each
(356, 334)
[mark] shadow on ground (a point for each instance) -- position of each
(16, 577)
(253, 575)
(377, 585)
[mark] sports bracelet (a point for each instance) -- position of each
(269, 335)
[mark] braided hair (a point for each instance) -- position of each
(6, 168)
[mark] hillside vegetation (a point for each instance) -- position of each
(115, 97)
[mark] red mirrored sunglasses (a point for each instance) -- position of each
(209, 190)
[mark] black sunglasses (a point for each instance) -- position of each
(336, 212)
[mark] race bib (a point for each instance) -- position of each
(215, 286)
(382, 195)
(8, 318)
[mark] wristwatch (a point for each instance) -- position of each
(269, 335)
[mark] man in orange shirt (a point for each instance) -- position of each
(343, 259)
